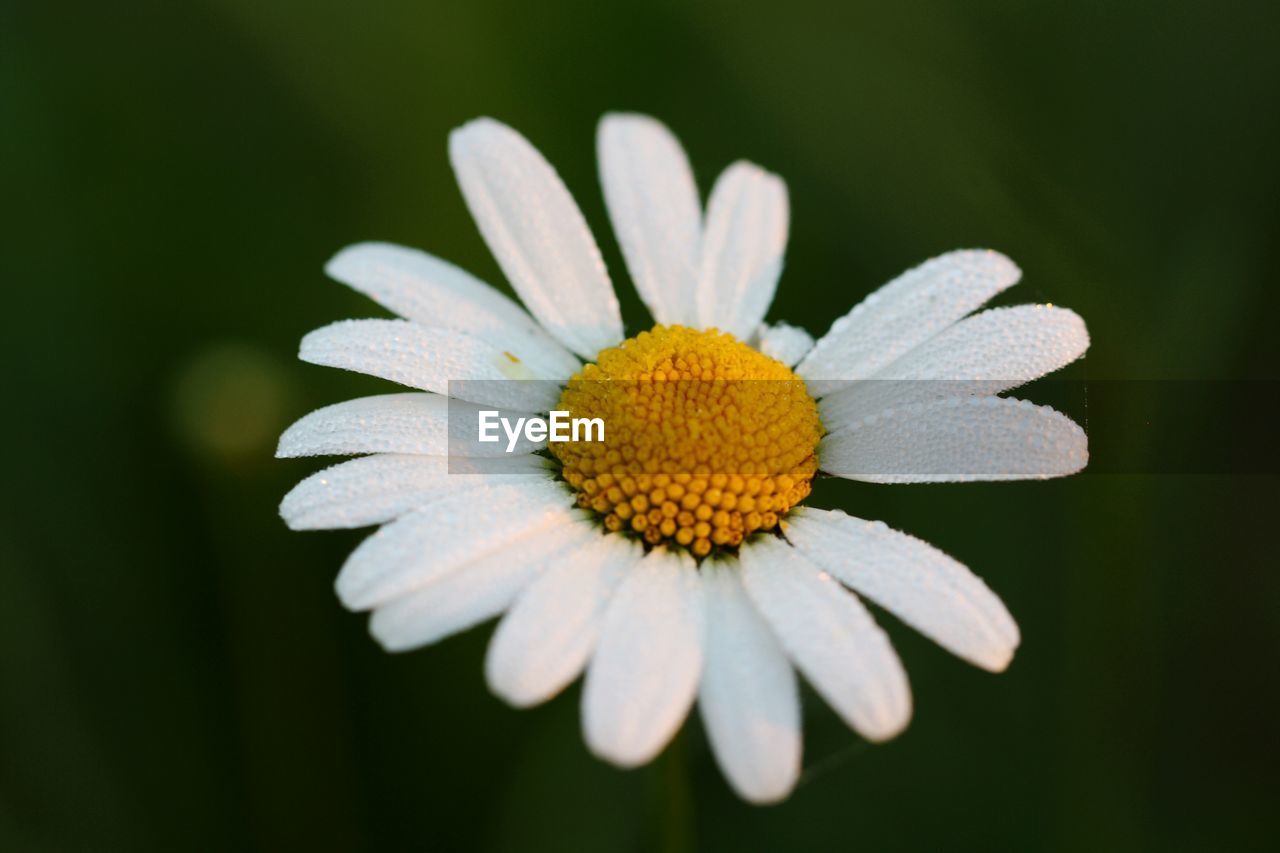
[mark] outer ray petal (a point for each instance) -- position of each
(476, 591)
(538, 235)
(957, 440)
(653, 204)
(644, 674)
(930, 591)
(377, 489)
(1010, 345)
(430, 358)
(905, 313)
(545, 640)
(742, 249)
(988, 353)
(421, 546)
(748, 698)
(830, 637)
(432, 292)
(388, 423)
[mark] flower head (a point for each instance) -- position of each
(673, 561)
(709, 440)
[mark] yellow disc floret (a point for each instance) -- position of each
(706, 440)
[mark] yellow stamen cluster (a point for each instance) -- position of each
(706, 440)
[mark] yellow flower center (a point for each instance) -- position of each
(706, 440)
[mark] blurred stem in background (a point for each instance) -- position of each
(673, 798)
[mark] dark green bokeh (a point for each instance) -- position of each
(176, 671)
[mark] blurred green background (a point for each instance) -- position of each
(176, 672)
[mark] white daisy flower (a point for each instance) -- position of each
(673, 562)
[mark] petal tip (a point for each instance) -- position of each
(465, 137)
(472, 126)
(1004, 262)
(626, 757)
(621, 119)
(347, 261)
(995, 660)
(767, 796)
(997, 263)
(512, 694)
(350, 595)
(507, 685)
(287, 446)
(388, 635)
(889, 728)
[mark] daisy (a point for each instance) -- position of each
(673, 562)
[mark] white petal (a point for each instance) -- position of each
(476, 591)
(426, 544)
(985, 354)
(653, 204)
(394, 423)
(535, 230)
(433, 292)
(956, 440)
(433, 359)
(544, 641)
(930, 591)
(788, 344)
(386, 423)
(644, 674)
(377, 489)
(1007, 345)
(748, 699)
(905, 313)
(830, 637)
(742, 249)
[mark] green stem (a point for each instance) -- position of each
(675, 798)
